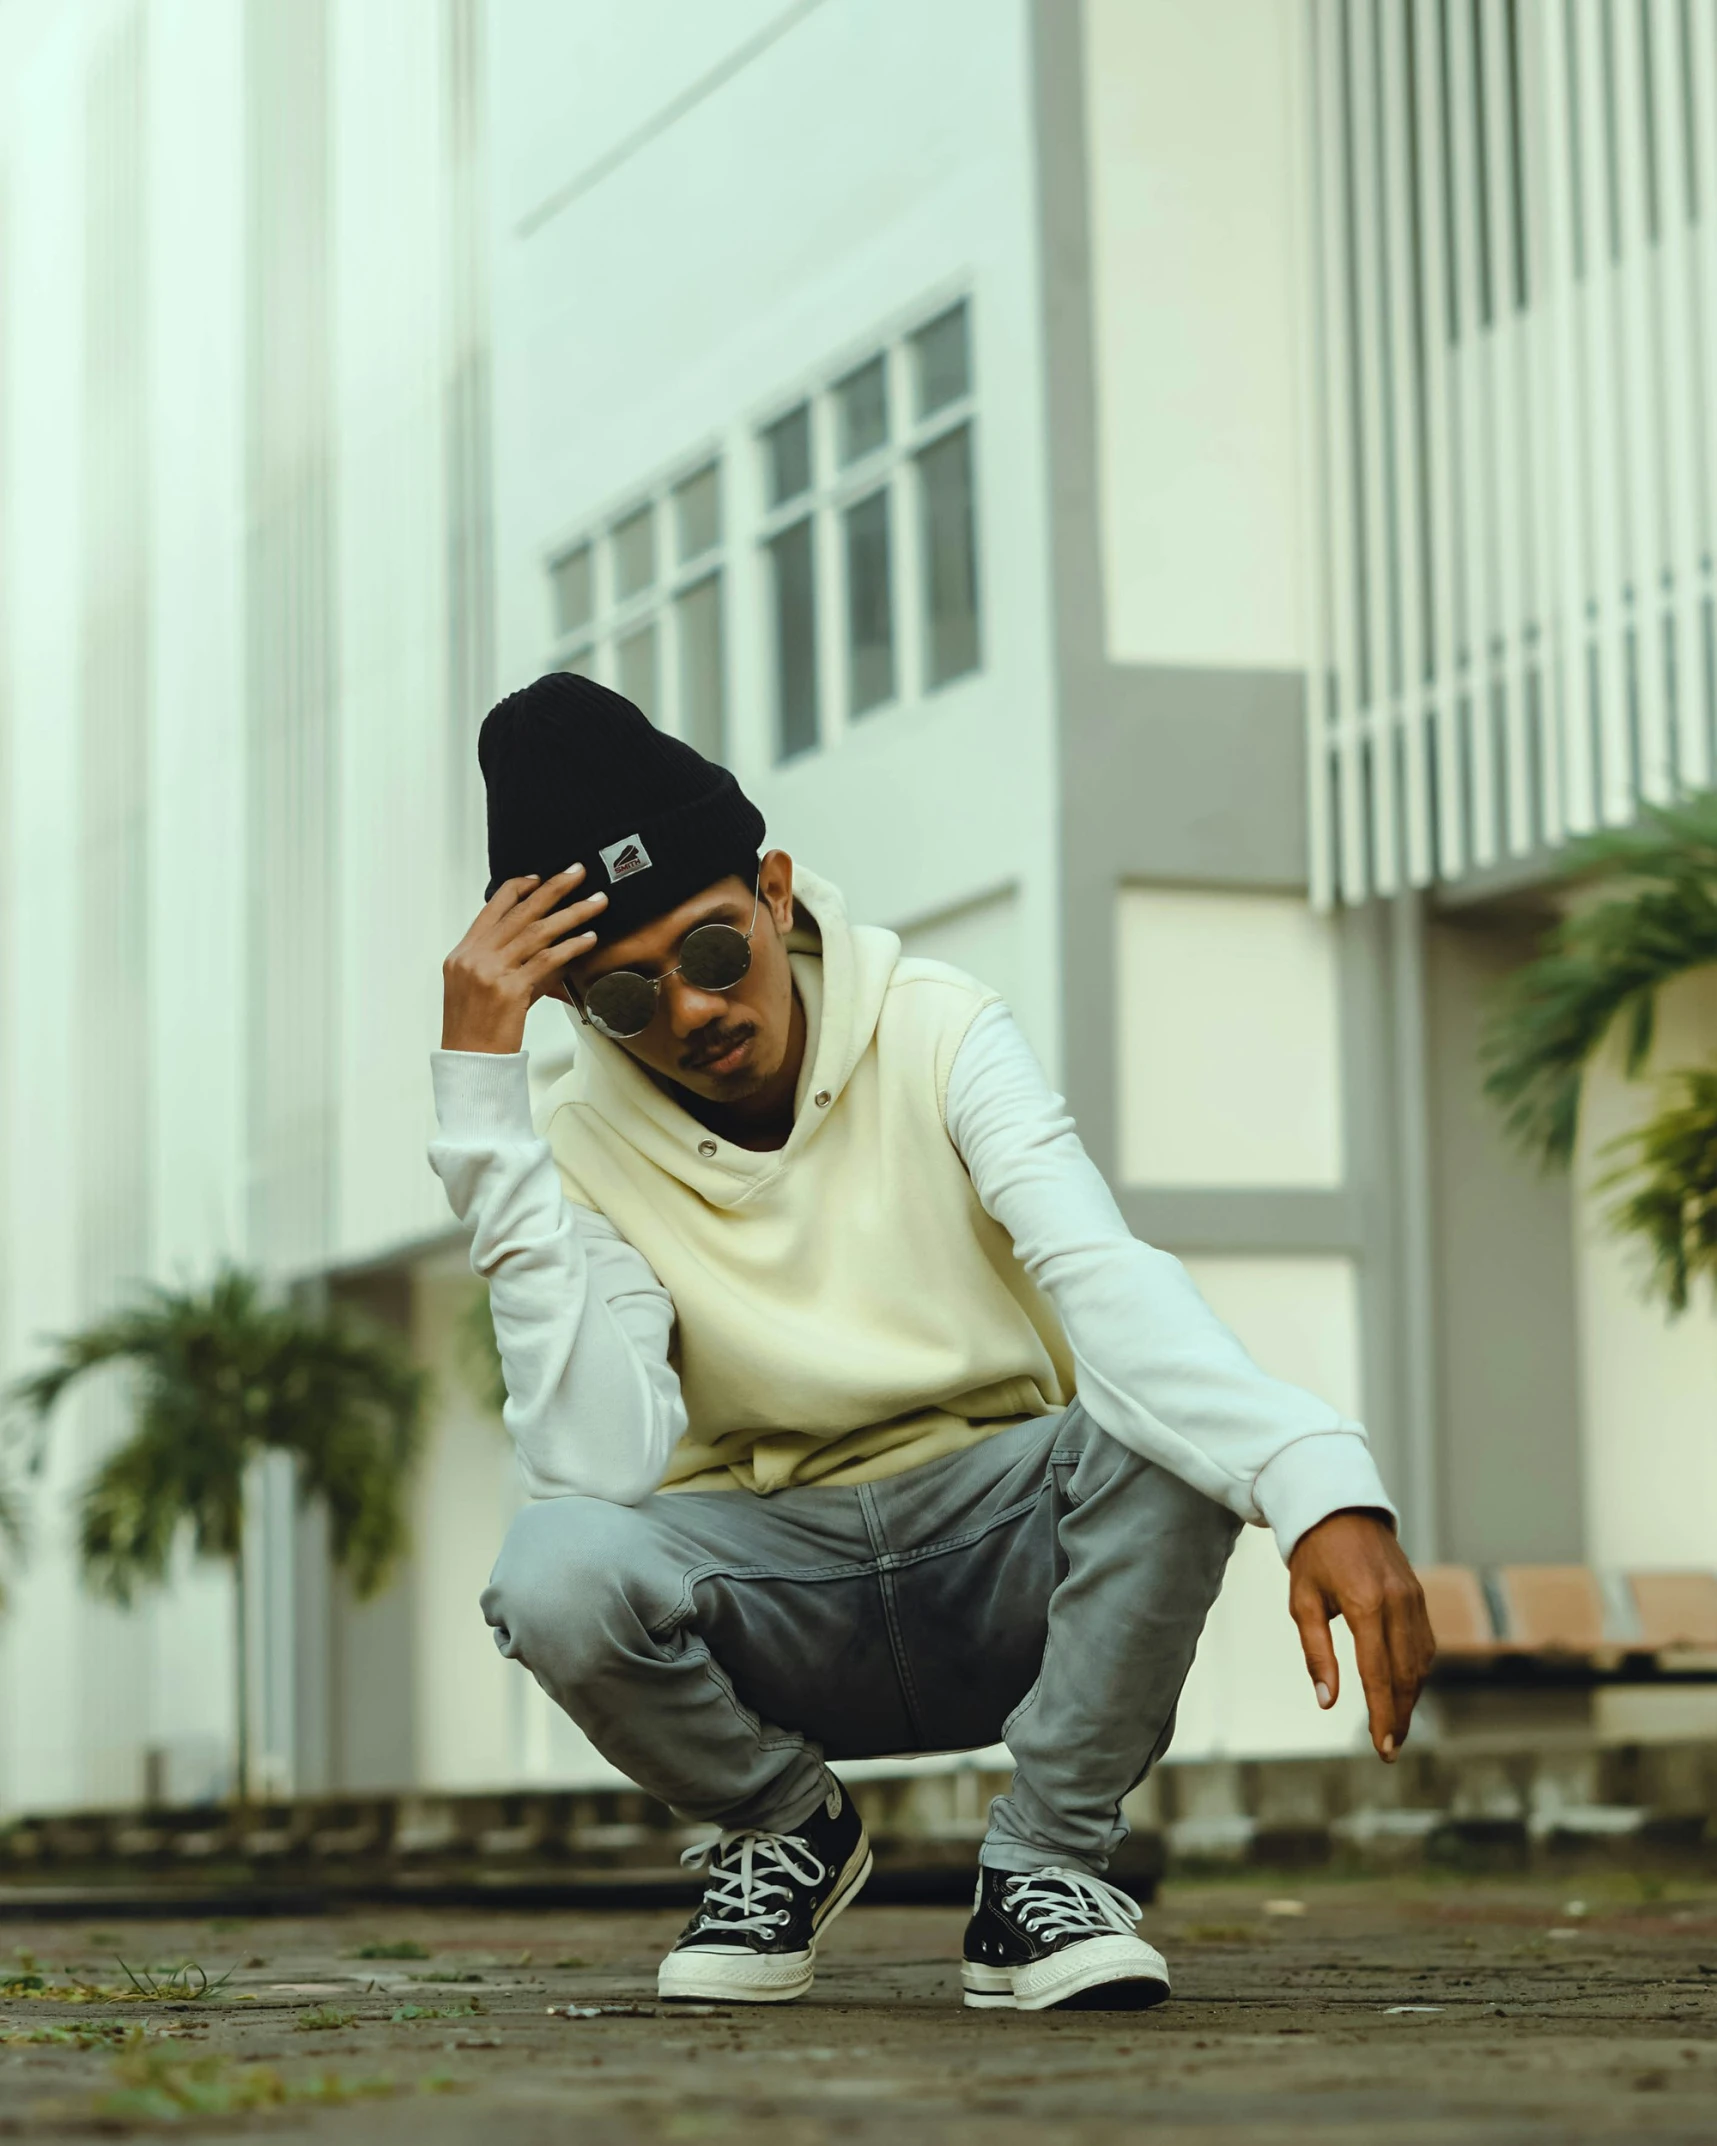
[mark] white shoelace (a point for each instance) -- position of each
(746, 1872)
(1067, 1903)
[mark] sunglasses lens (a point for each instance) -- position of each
(714, 957)
(623, 1003)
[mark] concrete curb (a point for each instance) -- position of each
(1496, 1809)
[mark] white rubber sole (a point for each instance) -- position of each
(734, 1976)
(1107, 1973)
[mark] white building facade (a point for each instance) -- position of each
(927, 408)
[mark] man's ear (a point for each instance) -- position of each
(775, 883)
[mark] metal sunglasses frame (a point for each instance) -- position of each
(656, 982)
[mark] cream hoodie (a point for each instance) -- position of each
(591, 1339)
(845, 1307)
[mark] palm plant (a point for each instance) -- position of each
(1604, 965)
(11, 1528)
(480, 1354)
(222, 1376)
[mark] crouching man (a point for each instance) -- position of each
(855, 1419)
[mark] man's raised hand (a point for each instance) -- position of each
(1351, 1566)
(513, 954)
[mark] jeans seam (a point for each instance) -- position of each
(789, 1740)
(720, 1569)
(944, 1544)
(884, 1563)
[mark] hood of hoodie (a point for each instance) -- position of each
(841, 971)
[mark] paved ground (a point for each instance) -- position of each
(1417, 2012)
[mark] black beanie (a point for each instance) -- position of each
(577, 775)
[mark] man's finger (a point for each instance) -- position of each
(1371, 1652)
(1306, 1608)
(1411, 1650)
(552, 929)
(536, 903)
(546, 966)
(509, 892)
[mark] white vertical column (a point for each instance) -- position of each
(1343, 561)
(1636, 296)
(1509, 435)
(1379, 716)
(197, 821)
(1440, 436)
(1701, 73)
(1604, 445)
(1474, 448)
(1414, 710)
(1559, 507)
(1318, 420)
(41, 457)
(1674, 269)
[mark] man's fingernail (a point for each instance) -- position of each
(1323, 1694)
(1389, 1747)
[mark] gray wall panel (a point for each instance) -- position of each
(1507, 1348)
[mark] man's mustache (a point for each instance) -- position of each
(709, 1044)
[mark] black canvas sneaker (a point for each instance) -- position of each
(769, 1898)
(1044, 1937)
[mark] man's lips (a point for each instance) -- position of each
(725, 1058)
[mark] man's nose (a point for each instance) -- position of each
(690, 1009)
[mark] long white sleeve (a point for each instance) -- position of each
(593, 1404)
(1156, 1368)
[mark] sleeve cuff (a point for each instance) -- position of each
(1332, 1472)
(482, 1092)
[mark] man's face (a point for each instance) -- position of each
(722, 1045)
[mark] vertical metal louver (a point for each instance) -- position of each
(112, 879)
(290, 634)
(1516, 215)
(470, 525)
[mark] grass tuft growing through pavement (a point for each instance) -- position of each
(323, 2019)
(158, 2087)
(183, 1982)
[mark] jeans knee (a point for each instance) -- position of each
(563, 1595)
(1161, 1505)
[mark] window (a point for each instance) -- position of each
(792, 581)
(640, 607)
(875, 475)
(859, 549)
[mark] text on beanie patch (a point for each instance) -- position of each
(624, 857)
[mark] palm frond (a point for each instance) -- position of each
(479, 1353)
(351, 1410)
(130, 1518)
(222, 1375)
(1602, 966)
(11, 1533)
(1670, 1169)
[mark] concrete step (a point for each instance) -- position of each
(1494, 1808)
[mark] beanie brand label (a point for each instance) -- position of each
(624, 857)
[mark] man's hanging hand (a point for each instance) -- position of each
(1351, 1566)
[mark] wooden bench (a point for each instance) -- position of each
(1559, 1624)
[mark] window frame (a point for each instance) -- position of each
(749, 685)
(892, 468)
(595, 646)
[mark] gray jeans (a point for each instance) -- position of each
(1047, 1587)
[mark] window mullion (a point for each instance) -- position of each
(905, 550)
(830, 578)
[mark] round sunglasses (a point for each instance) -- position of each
(713, 957)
